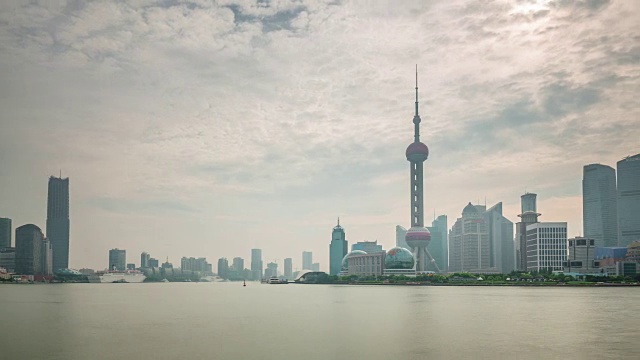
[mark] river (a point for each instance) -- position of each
(259, 321)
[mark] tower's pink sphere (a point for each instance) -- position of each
(418, 237)
(417, 151)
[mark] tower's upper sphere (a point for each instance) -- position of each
(417, 152)
(418, 237)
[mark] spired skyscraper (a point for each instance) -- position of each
(600, 205)
(337, 249)
(629, 200)
(58, 221)
(417, 237)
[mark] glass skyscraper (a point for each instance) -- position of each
(337, 249)
(307, 260)
(628, 200)
(439, 245)
(256, 264)
(58, 221)
(5, 233)
(117, 259)
(599, 205)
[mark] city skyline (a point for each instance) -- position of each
(298, 119)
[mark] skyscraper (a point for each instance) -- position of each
(600, 205)
(401, 233)
(529, 215)
(5, 233)
(288, 268)
(117, 259)
(629, 200)
(144, 260)
(58, 221)
(337, 249)
(256, 264)
(223, 268)
(238, 264)
(29, 244)
(502, 255)
(307, 260)
(469, 239)
(418, 236)
(272, 270)
(439, 245)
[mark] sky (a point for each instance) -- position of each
(205, 129)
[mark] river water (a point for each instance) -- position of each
(229, 321)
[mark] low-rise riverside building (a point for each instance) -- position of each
(581, 258)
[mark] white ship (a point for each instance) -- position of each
(117, 277)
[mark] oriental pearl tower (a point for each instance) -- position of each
(418, 236)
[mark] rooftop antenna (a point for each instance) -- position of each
(416, 89)
(416, 117)
(338, 220)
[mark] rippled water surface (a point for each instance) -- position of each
(228, 321)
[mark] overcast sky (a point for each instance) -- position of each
(209, 128)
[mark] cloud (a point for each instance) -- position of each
(286, 114)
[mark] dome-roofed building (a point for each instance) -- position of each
(399, 261)
(345, 260)
(469, 210)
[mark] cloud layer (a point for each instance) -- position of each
(198, 128)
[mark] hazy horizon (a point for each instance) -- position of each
(204, 130)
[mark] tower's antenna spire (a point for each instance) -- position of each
(416, 89)
(338, 220)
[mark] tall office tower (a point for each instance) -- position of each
(256, 264)
(154, 263)
(629, 200)
(117, 259)
(223, 268)
(337, 249)
(418, 236)
(238, 264)
(401, 233)
(47, 258)
(58, 221)
(29, 243)
(307, 260)
(546, 246)
(600, 205)
(8, 259)
(288, 268)
(5, 233)
(529, 215)
(439, 245)
(502, 253)
(272, 270)
(469, 240)
(144, 260)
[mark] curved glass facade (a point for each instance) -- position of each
(345, 263)
(399, 258)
